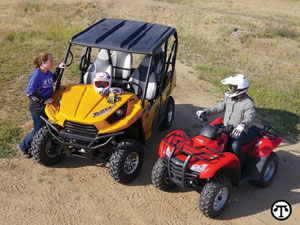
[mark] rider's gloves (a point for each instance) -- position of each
(239, 129)
(199, 113)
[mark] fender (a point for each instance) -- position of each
(264, 147)
(163, 144)
(229, 160)
(217, 121)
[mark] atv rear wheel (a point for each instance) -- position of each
(167, 122)
(45, 149)
(268, 171)
(160, 177)
(214, 196)
(126, 161)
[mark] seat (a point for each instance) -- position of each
(158, 67)
(102, 64)
(158, 60)
(122, 64)
(139, 77)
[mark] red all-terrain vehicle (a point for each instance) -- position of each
(207, 163)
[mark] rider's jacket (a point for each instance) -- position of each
(235, 111)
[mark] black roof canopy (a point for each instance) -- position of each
(124, 35)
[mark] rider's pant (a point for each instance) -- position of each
(237, 142)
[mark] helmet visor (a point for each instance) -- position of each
(101, 84)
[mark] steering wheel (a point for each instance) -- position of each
(131, 89)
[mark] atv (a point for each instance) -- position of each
(81, 122)
(207, 164)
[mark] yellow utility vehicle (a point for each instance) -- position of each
(114, 123)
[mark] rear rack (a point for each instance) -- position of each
(190, 150)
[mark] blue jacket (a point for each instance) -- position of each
(40, 88)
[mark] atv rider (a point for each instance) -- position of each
(239, 111)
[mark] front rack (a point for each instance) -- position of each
(186, 147)
(178, 170)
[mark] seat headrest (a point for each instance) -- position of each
(145, 61)
(103, 54)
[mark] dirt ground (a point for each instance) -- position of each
(82, 192)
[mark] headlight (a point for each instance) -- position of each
(198, 168)
(259, 143)
(119, 114)
(168, 151)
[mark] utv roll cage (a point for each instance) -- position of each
(125, 36)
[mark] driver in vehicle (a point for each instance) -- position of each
(238, 109)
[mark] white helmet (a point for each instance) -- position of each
(238, 84)
(102, 82)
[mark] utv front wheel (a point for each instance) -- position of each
(160, 177)
(215, 196)
(126, 161)
(268, 171)
(167, 122)
(45, 149)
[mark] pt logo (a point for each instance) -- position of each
(281, 210)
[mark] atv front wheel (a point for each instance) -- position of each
(126, 161)
(214, 196)
(160, 177)
(268, 171)
(45, 149)
(167, 122)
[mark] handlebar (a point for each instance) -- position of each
(226, 129)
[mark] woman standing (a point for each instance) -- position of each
(39, 91)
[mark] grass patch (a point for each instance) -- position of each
(274, 31)
(9, 134)
(11, 36)
(32, 6)
(206, 72)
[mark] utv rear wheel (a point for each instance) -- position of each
(160, 177)
(45, 149)
(126, 161)
(268, 171)
(167, 122)
(215, 196)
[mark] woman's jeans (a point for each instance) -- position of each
(38, 122)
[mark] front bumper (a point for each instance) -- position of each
(89, 141)
(180, 174)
